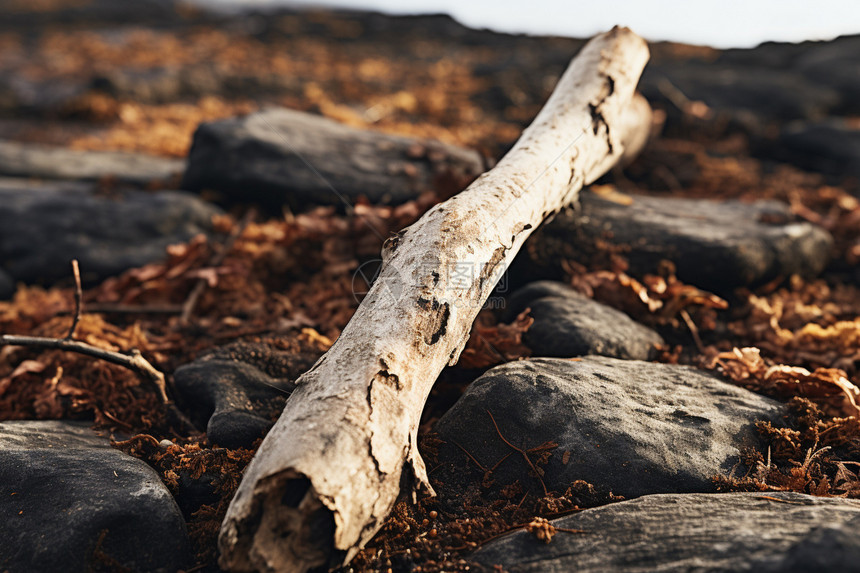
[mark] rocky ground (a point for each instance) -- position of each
(667, 378)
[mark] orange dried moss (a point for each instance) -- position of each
(816, 455)
(491, 343)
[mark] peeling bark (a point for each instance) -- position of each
(332, 467)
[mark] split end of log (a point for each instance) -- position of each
(295, 533)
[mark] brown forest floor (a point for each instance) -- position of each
(288, 280)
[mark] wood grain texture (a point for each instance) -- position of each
(332, 467)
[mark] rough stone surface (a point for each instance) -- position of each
(568, 324)
(62, 487)
(239, 390)
(44, 162)
(717, 246)
(630, 427)
(107, 234)
(281, 156)
(693, 532)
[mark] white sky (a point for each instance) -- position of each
(726, 23)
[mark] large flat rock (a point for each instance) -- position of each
(716, 245)
(625, 426)
(693, 532)
(285, 157)
(70, 502)
(44, 226)
(45, 162)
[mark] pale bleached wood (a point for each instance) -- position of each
(332, 467)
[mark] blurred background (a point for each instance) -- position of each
(730, 24)
(140, 76)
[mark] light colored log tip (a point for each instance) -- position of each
(332, 467)
(295, 532)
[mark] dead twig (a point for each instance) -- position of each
(471, 457)
(694, 330)
(199, 288)
(525, 455)
(779, 500)
(132, 359)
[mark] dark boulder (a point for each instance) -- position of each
(629, 427)
(238, 391)
(73, 503)
(44, 226)
(284, 157)
(715, 245)
(45, 162)
(831, 147)
(568, 324)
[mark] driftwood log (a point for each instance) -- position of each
(332, 467)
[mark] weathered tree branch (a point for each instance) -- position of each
(331, 469)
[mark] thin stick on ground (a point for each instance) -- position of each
(471, 457)
(522, 452)
(133, 359)
(694, 330)
(199, 288)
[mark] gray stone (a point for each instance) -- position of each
(629, 427)
(830, 146)
(238, 391)
(568, 324)
(62, 488)
(280, 156)
(752, 95)
(20, 96)
(44, 226)
(693, 532)
(835, 64)
(717, 246)
(45, 162)
(7, 285)
(168, 83)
